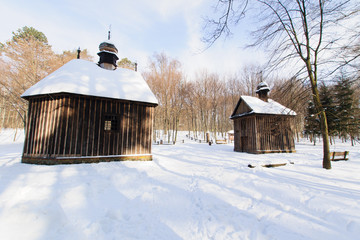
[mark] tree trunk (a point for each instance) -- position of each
(323, 125)
(325, 136)
(321, 112)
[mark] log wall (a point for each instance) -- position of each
(71, 128)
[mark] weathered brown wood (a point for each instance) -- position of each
(127, 143)
(93, 128)
(38, 128)
(151, 128)
(32, 128)
(137, 130)
(121, 128)
(53, 127)
(73, 126)
(63, 132)
(220, 141)
(142, 137)
(149, 124)
(48, 131)
(67, 128)
(29, 130)
(337, 156)
(40, 135)
(56, 129)
(44, 128)
(77, 160)
(114, 134)
(259, 133)
(97, 127)
(242, 108)
(117, 137)
(100, 129)
(131, 131)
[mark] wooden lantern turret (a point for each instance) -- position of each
(108, 55)
(262, 90)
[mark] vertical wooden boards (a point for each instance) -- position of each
(67, 128)
(69, 125)
(121, 128)
(264, 133)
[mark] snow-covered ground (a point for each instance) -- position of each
(189, 191)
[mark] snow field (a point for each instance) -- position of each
(189, 191)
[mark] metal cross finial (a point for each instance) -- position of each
(109, 32)
(78, 53)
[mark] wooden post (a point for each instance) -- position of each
(207, 137)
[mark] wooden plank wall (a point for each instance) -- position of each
(245, 134)
(275, 133)
(74, 126)
(261, 133)
(242, 108)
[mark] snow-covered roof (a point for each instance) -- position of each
(86, 78)
(259, 106)
(262, 86)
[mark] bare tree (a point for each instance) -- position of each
(167, 82)
(296, 30)
(295, 95)
(251, 76)
(25, 60)
(26, 63)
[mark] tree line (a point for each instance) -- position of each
(205, 102)
(200, 104)
(341, 103)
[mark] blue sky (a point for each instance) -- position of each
(139, 29)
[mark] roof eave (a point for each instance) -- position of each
(262, 114)
(27, 97)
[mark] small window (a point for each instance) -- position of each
(111, 123)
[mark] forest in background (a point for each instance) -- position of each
(205, 103)
(199, 104)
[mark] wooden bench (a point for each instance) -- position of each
(337, 156)
(221, 141)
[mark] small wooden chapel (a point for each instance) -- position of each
(86, 112)
(262, 125)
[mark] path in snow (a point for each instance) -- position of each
(189, 191)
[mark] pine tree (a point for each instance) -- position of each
(27, 33)
(126, 63)
(312, 123)
(347, 123)
(327, 100)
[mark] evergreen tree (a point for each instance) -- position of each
(126, 63)
(347, 123)
(327, 100)
(312, 123)
(27, 33)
